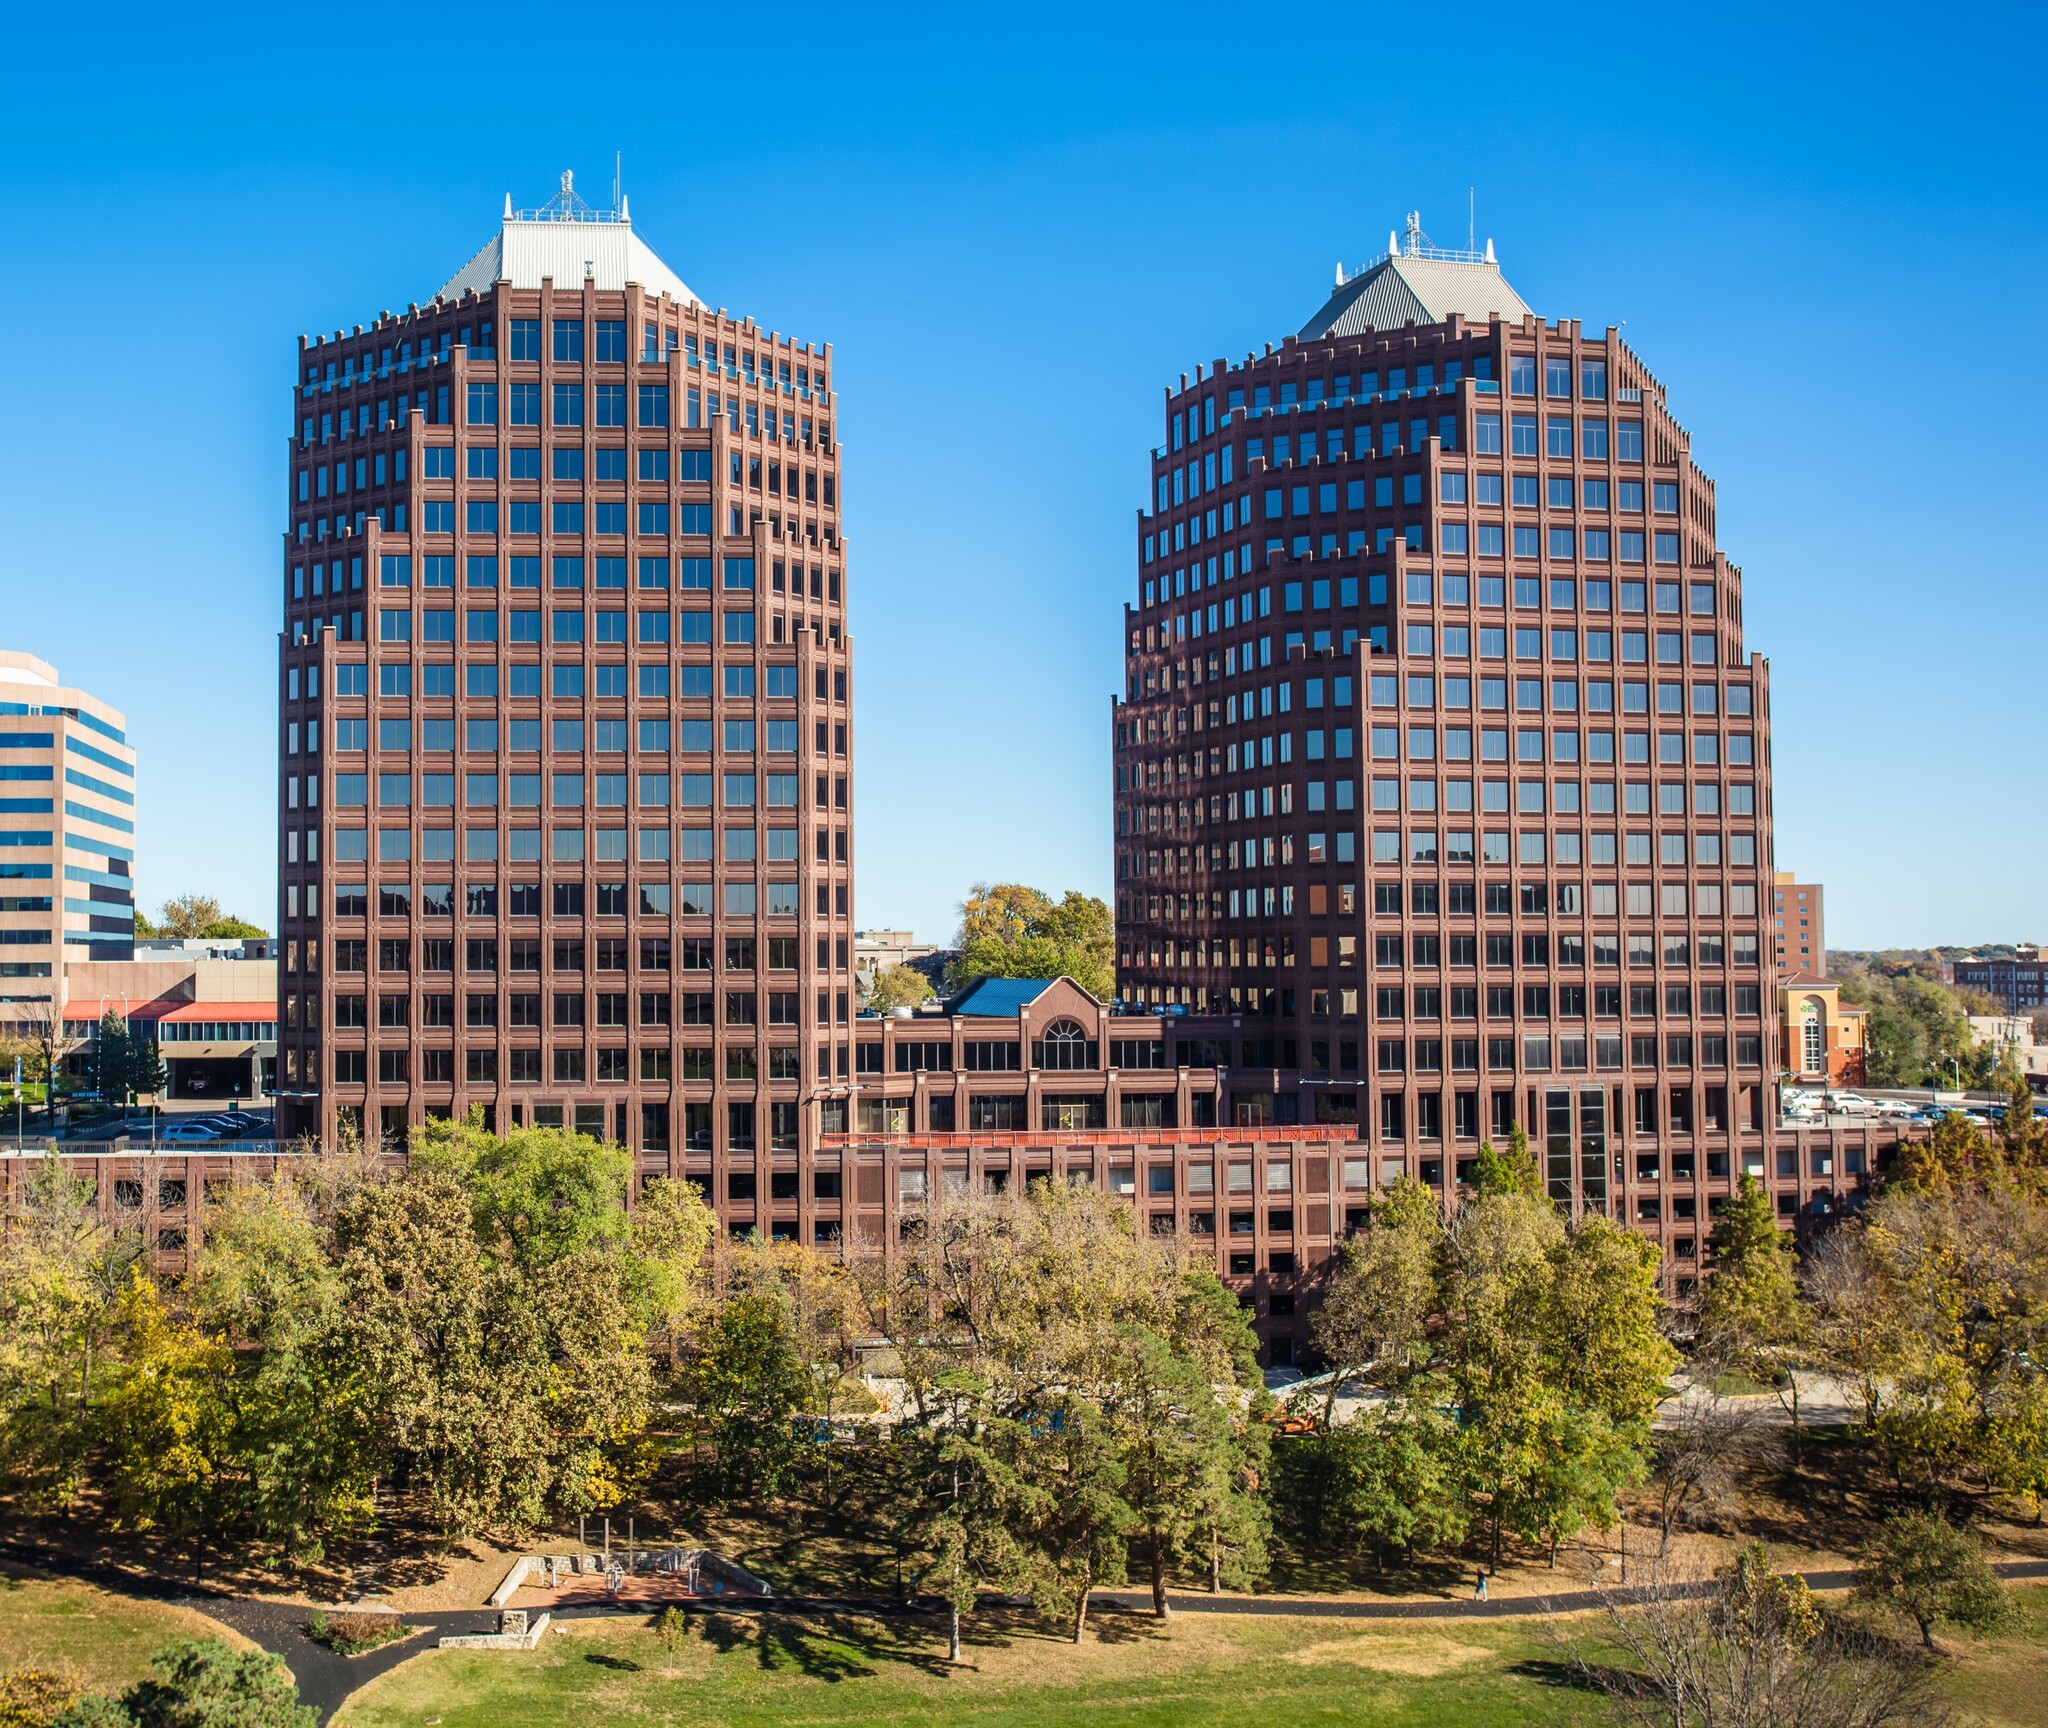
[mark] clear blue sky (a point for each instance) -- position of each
(1825, 233)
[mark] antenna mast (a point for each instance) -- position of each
(1471, 218)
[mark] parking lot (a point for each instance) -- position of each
(1810, 1107)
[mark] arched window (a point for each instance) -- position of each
(1065, 1048)
(1813, 1038)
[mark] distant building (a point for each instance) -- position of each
(1801, 941)
(2013, 1035)
(876, 951)
(67, 836)
(206, 948)
(1824, 1037)
(212, 1015)
(2018, 979)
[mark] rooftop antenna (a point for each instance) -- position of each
(1414, 231)
(618, 167)
(1471, 219)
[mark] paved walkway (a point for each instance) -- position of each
(326, 1679)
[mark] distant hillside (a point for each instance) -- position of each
(1897, 962)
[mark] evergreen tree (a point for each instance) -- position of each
(1751, 1318)
(113, 1059)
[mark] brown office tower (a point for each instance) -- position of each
(566, 802)
(1441, 770)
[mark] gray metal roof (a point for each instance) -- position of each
(570, 247)
(1407, 289)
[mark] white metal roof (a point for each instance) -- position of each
(570, 245)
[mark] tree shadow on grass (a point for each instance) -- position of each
(618, 1664)
(1594, 1679)
(1124, 1626)
(824, 1647)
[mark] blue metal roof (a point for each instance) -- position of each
(1000, 998)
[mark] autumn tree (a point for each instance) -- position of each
(1010, 931)
(185, 916)
(899, 987)
(62, 1275)
(1101, 1377)
(160, 1422)
(1374, 1321)
(502, 1345)
(1960, 1269)
(300, 1466)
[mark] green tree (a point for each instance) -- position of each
(1916, 1028)
(1751, 1318)
(188, 915)
(144, 929)
(231, 928)
(670, 1230)
(899, 987)
(1933, 1573)
(1076, 1522)
(539, 1195)
(1603, 1341)
(1181, 1458)
(954, 1500)
(301, 1459)
(1042, 1303)
(147, 1077)
(1551, 1357)
(1387, 1481)
(1010, 931)
(748, 1386)
(506, 1390)
(113, 1059)
(1374, 1322)
(1516, 1173)
(206, 1683)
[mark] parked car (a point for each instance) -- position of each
(1894, 1107)
(1849, 1104)
(190, 1134)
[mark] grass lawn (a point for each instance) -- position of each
(738, 1672)
(106, 1641)
(2002, 1682)
(1198, 1671)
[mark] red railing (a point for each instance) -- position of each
(1053, 1139)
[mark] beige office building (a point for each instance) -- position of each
(67, 836)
